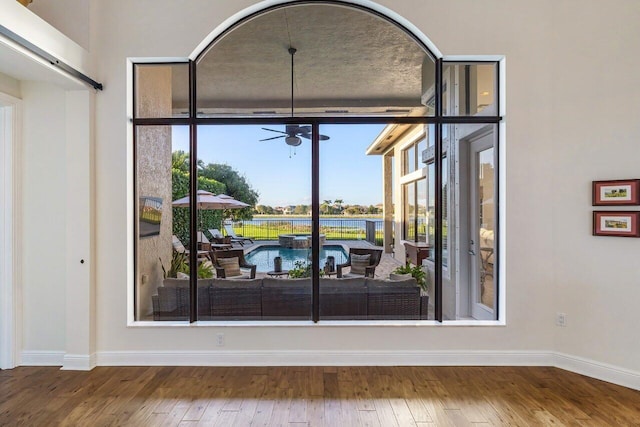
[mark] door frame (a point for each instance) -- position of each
(10, 232)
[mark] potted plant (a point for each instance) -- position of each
(302, 269)
(416, 272)
(179, 267)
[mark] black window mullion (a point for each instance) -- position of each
(315, 218)
(438, 194)
(193, 191)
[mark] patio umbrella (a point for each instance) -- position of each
(209, 201)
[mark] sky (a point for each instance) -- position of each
(282, 174)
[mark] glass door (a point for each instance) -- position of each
(482, 243)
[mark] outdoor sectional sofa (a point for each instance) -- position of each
(290, 299)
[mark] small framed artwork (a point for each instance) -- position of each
(623, 192)
(616, 223)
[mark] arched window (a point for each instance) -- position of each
(328, 146)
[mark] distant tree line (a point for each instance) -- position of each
(327, 207)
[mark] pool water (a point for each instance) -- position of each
(264, 255)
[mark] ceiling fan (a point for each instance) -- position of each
(293, 133)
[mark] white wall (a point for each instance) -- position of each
(567, 64)
(71, 17)
(596, 279)
(43, 222)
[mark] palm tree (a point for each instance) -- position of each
(339, 202)
(326, 206)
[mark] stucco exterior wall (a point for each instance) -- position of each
(154, 180)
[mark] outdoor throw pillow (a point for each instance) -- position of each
(359, 263)
(231, 266)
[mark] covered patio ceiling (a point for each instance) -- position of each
(348, 61)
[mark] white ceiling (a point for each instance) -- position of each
(347, 60)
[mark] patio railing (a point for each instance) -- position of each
(332, 228)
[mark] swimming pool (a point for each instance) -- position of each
(263, 256)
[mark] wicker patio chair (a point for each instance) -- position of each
(369, 271)
(249, 269)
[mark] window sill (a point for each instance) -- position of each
(305, 323)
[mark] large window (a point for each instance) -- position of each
(277, 177)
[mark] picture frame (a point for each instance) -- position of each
(150, 216)
(616, 223)
(621, 192)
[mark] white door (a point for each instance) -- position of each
(482, 228)
(9, 321)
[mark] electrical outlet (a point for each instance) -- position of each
(220, 340)
(561, 319)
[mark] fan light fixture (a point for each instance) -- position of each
(294, 141)
(293, 133)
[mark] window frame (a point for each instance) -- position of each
(438, 120)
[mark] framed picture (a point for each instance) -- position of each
(150, 215)
(616, 223)
(623, 192)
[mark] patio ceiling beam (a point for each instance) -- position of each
(341, 120)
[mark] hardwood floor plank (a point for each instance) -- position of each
(315, 412)
(369, 419)
(312, 396)
(316, 381)
(251, 399)
(281, 408)
(364, 399)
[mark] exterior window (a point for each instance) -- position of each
(272, 215)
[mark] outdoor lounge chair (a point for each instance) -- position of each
(231, 264)
(363, 262)
(234, 237)
(179, 247)
(217, 237)
(205, 245)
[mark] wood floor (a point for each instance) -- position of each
(310, 396)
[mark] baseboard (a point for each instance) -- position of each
(79, 362)
(41, 358)
(600, 371)
(590, 368)
(326, 358)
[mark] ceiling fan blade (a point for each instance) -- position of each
(275, 137)
(304, 129)
(273, 130)
(308, 136)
